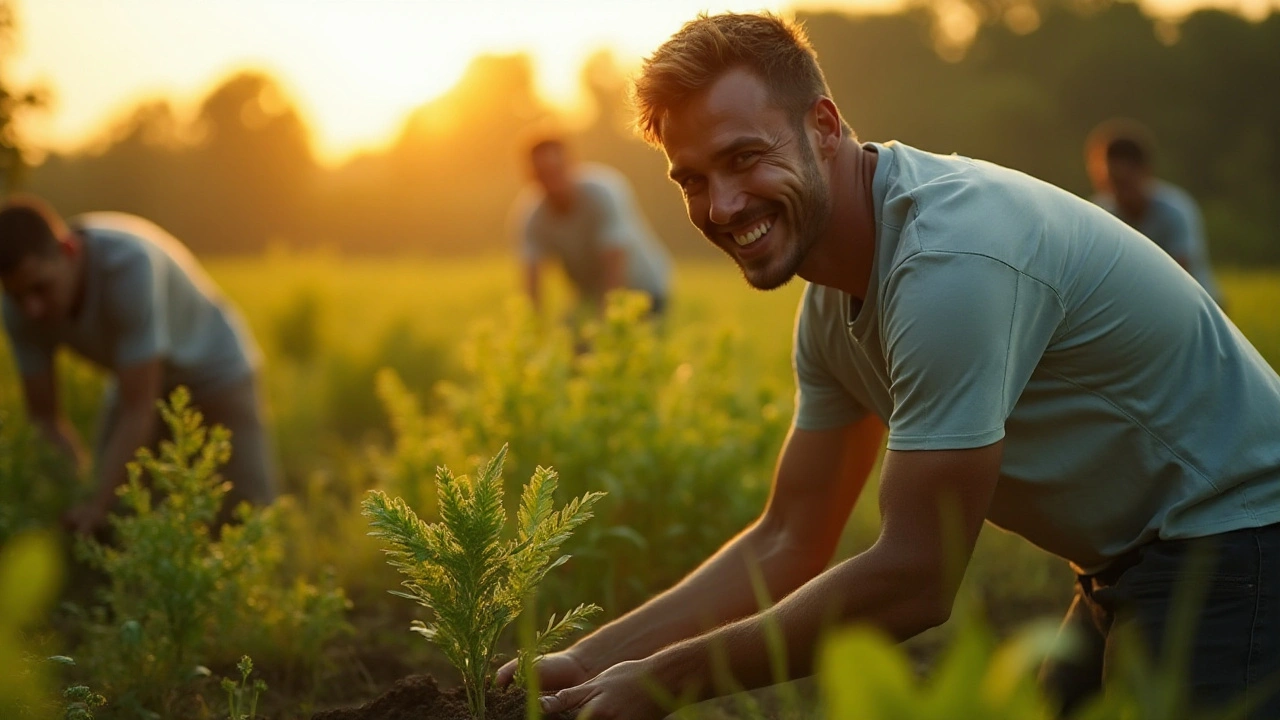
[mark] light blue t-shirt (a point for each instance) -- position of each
(1173, 222)
(145, 297)
(1000, 306)
(606, 215)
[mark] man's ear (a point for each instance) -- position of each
(826, 123)
(70, 246)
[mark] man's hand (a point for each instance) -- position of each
(556, 671)
(623, 692)
(85, 518)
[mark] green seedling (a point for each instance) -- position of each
(475, 582)
(81, 701)
(242, 697)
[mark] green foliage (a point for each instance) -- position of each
(179, 585)
(864, 674)
(30, 569)
(35, 484)
(81, 701)
(722, 339)
(473, 581)
(297, 328)
(242, 697)
(662, 423)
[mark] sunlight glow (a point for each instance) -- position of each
(354, 68)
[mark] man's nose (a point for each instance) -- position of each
(727, 200)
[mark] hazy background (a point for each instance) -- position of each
(391, 127)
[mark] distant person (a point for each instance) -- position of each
(127, 296)
(586, 217)
(1119, 155)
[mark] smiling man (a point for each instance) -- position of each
(128, 297)
(1037, 363)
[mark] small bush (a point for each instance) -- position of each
(178, 595)
(475, 583)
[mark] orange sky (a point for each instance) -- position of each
(354, 67)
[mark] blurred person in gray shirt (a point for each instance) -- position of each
(585, 216)
(124, 294)
(1119, 154)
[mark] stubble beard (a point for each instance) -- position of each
(812, 212)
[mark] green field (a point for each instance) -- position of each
(673, 422)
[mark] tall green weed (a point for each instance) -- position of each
(182, 592)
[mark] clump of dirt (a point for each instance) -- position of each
(418, 697)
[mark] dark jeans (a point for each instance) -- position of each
(658, 306)
(1235, 651)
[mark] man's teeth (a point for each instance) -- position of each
(752, 235)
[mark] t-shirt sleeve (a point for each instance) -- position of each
(522, 230)
(135, 303)
(32, 354)
(1186, 232)
(962, 335)
(822, 403)
(615, 230)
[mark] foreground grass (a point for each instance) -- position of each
(327, 324)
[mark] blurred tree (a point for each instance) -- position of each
(1033, 78)
(253, 165)
(229, 181)
(445, 184)
(13, 103)
(611, 139)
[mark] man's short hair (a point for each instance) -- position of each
(545, 134)
(773, 48)
(28, 226)
(1124, 140)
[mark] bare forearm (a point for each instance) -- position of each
(615, 269)
(865, 589)
(719, 591)
(532, 285)
(57, 431)
(133, 431)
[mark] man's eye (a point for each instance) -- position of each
(743, 159)
(690, 185)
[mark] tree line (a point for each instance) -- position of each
(1022, 88)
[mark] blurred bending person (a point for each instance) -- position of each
(127, 296)
(1119, 156)
(585, 216)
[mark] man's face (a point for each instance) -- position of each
(750, 178)
(551, 170)
(42, 286)
(1128, 183)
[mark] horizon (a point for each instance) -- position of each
(349, 101)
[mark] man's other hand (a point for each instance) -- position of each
(556, 671)
(85, 518)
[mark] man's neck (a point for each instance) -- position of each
(563, 203)
(842, 257)
(1134, 213)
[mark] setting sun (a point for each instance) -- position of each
(354, 69)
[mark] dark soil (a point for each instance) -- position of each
(418, 697)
